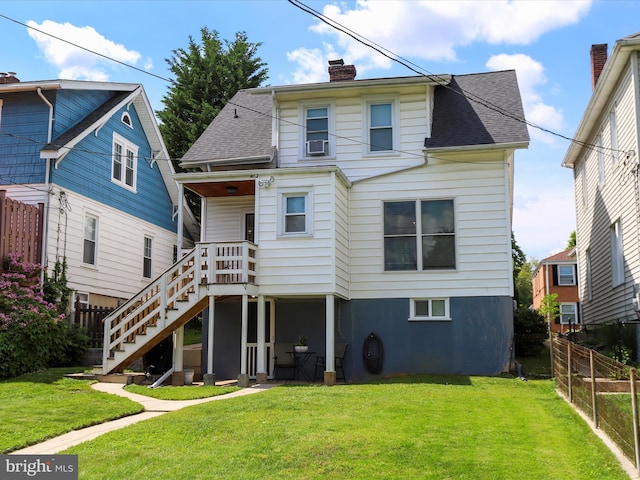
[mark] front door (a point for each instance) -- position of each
(249, 226)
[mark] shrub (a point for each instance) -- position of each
(530, 332)
(33, 335)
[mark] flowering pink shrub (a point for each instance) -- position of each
(33, 335)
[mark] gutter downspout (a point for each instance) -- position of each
(47, 202)
(275, 125)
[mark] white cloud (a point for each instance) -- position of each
(311, 64)
(432, 30)
(543, 221)
(531, 78)
(75, 63)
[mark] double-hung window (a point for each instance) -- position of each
(613, 128)
(317, 130)
(90, 241)
(566, 275)
(419, 235)
(125, 162)
(146, 260)
(617, 257)
(429, 309)
(295, 213)
(568, 313)
(380, 127)
(600, 159)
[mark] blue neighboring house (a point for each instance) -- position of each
(93, 154)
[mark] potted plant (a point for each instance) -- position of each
(301, 345)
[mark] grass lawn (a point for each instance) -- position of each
(408, 428)
(192, 334)
(180, 393)
(42, 405)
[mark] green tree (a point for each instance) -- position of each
(572, 240)
(550, 307)
(524, 289)
(519, 260)
(207, 75)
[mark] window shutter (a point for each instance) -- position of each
(555, 274)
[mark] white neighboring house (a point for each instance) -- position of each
(604, 159)
(375, 213)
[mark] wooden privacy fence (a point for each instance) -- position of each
(21, 227)
(603, 389)
(92, 319)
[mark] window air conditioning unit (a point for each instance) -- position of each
(317, 147)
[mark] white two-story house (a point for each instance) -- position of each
(604, 159)
(351, 211)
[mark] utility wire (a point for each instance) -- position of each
(441, 81)
(86, 49)
(361, 39)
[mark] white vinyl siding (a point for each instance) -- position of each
(292, 264)
(120, 238)
(411, 126)
(482, 216)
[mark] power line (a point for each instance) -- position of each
(438, 79)
(370, 44)
(86, 49)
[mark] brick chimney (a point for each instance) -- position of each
(8, 77)
(598, 59)
(338, 71)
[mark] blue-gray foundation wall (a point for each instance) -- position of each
(476, 341)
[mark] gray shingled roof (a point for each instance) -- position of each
(468, 111)
(242, 130)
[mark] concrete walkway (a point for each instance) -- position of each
(152, 408)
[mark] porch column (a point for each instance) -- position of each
(177, 378)
(209, 377)
(330, 353)
(243, 378)
(261, 371)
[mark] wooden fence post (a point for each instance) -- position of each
(569, 389)
(634, 405)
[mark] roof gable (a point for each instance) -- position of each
(478, 109)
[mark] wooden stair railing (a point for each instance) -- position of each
(173, 299)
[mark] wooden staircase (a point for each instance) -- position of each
(174, 298)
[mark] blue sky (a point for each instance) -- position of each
(547, 42)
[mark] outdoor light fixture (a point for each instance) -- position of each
(266, 182)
